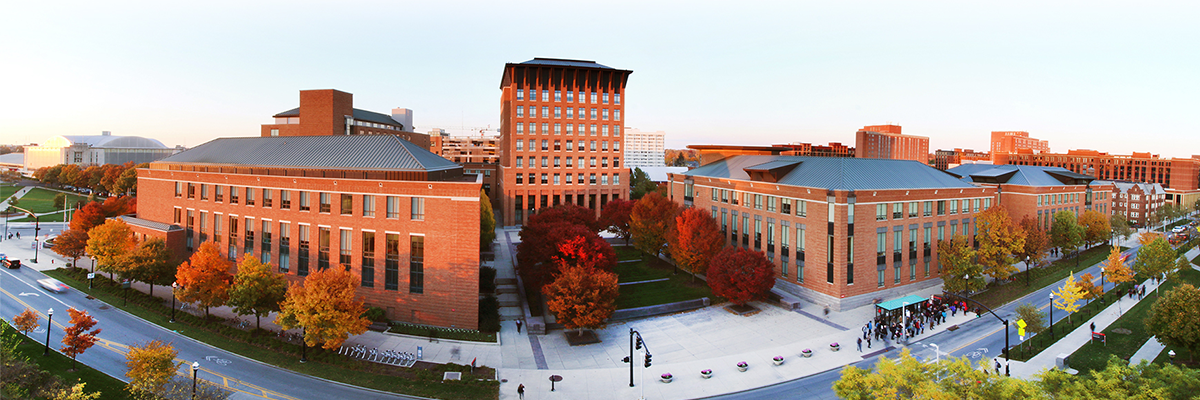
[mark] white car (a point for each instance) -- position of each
(52, 285)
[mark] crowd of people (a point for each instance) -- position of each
(912, 320)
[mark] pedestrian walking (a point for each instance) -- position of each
(1093, 326)
(518, 326)
(521, 391)
(865, 329)
(997, 366)
(868, 343)
(860, 345)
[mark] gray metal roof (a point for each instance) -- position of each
(770, 165)
(158, 226)
(361, 115)
(1123, 187)
(566, 63)
(1024, 175)
(837, 173)
(366, 152)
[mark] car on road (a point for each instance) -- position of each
(52, 285)
(12, 264)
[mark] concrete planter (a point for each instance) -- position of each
(706, 374)
(777, 360)
(806, 353)
(742, 366)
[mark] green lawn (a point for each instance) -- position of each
(41, 200)
(679, 288)
(425, 382)
(1094, 356)
(97, 381)
(45, 218)
(999, 295)
(8, 190)
(639, 271)
(627, 253)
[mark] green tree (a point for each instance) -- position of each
(151, 262)
(1155, 258)
(1175, 319)
(640, 184)
(1120, 227)
(257, 289)
(59, 200)
(487, 221)
(1035, 319)
(960, 272)
(1119, 380)
(1065, 231)
(999, 238)
(952, 379)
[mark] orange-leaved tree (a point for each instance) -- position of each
(205, 277)
(151, 366)
(581, 297)
(151, 262)
(89, 216)
(1148, 237)
(77, 338)
(695, 240)
(110, 243)
(614, 218)
(1117, 269)
(72, 244)
(257, 289)
(325, 306)
(999, 238)
(26, 321)
(1037, 243)
(1090, 290)
(1096, 228)
(740, 275)
(650, 221)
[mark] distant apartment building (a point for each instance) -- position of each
(478, 154)
(331, 112)
(886, 141)
(840, 231)
(95, 150)
(946, 159)
(834, 149)
(1039, 192)
(644, 149)
(1013, 142)
(561, 136)
(1179, 177)
(1138, 202)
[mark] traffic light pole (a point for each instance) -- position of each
(630, 358)
(639, 344)
(1002, 320)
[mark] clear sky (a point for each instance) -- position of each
(1115, 77)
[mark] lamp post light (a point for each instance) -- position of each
(37, 227)
(1172, 355)
(303, 345)
(49, 323)
(1102, 290)
(174, 287)
(195, 370)
(1051, 315)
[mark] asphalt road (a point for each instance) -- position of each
(247, 378)
(981, 338)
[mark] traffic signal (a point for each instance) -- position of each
(647, 360)
(626, 360)
(639, 344)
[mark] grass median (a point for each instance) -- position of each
(424, 379)
(60, 366)
(999, 295)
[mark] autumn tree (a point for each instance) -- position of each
(1116, 269)
(1065, 232)
(694, 240)
(151, 262)
(110, 243)
(151, 365)
(257, 289)
(89, 216)
(960, 272)
(1175, 318)
(324, 304)
(1096, 227)
(487, 221)
(1035, 319)
(205, 277)
(74, 392)
(1148, 237)
(68, 174)
(907, 377)
(581, 297)
(1067, 297)
(119, 205)
(77, 338)
(999, 238)
(614, 218)
(26, 321)
(541, 241)
(1155, 258)
(72, 244)
(650, 221)
(1120, 227)
(569, 213)
(1089, 289)
(1122, 380)
(1037, 242)
(740, 275)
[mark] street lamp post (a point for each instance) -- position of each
(1002, 320)
(1102, 290)
(195, 370)
(303, 345)
(1171, 354)
(174, 287)
(49, 323)
(37, 227)
(1051, 315)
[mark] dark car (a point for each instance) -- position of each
(12, 264)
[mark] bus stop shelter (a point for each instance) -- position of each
(889, 307)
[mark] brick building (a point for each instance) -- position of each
(478, 154)
(1179, 177)
(401, 218)
(1137, 202)
(1039, 192)
(886, 141)
(840, 231)
(834, 149)
(946, 159)
(560, 136)
(1012, 142)
(331, 112)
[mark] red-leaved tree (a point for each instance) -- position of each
(650, 222)
(740, 275)
(77, 338)
(694, 241)
(614, 218)
(569, 213)
(541, 242)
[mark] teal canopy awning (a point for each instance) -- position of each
(898, 303)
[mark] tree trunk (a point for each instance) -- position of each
(257, 322)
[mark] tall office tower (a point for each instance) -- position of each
(560, 136)
(886, 141)
(644, 149)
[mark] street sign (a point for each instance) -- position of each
(91, 275)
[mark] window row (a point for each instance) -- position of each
(546, 179)
(783, 205)
(927, 208)
(571, 145)
(570, 96)
(1056, 199)
(584, 113)
(591, 163)
(570, 129)
(416, 205)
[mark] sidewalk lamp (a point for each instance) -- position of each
(195, 370)
(1051, 315)
(174, 287)
(37, 227)
(1172, 355)
(49, 319)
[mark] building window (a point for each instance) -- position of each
(570, 96)
(545, 179)
(274, 132)
(302, 260)
(304, 203)
(557, 114)
(326, 203)
(284, 250)
(191, 191)
(801, 208)
(418, 208)
(368, 259)
(912, 209)
(391, 266)
(248, 248)
(617, 98)
(250, 196)
(203, 191)
(616, 181)
(557, 95)
(520, 177)
(593, 96)
(267, 199)
(344, 248)
(347, 207)
(178, 189)
(416, 265)
(545, 114)
(545, 95)
(368, 205)
(520, 129)
(322, 248)
(927, 208)
(954, 206)
(520, 94)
